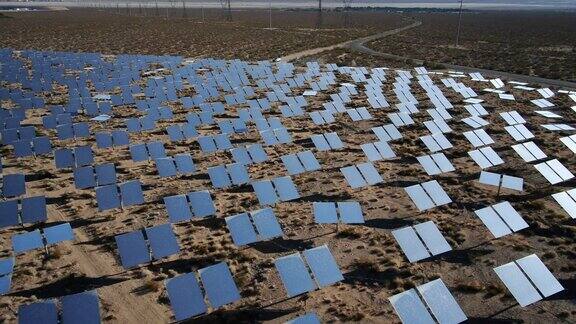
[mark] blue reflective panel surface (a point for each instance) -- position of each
(202, 204)
(8, 213)
(266, 224)
(103, 140)
(163, 242)
(27, 241)
(286, 189)
(310, 318)
(84, 177)
(13, 185)
(6, 266)
(178, 208)
(184, 163)
(5, 283)
(265, 192)
(323, 266)
(34, 209)
(350, 212)
(325, 212)
(133, 249)
(138, 152)
(219, 285)
(58, 233)
(105, 174)
(241, 229)
(64, 158)
(83, 156)
(294, 275)
(82, 308)
(185, 296)
(166, 167)
(219, 177)
(156, 150)
(42, 312)
(131, 193)
(107, 197)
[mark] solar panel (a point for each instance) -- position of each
(133, 249)
(219, 285)
(410, 308)
(310, 318)
(166, 167)
(554, 171)
(202, 203)
(441, 303)
(81, 308)
(266, 224)
(186, 298)
(432, 238)
(184, 163)
(58, 233)
(518, 284)
(501, 219)
(419, 197)
(286, 189)
(410, 244)
(567, 200)
(219, 177)
(9, 213)
(540, 276)
(350, 212)
(131, 193)
(265, 192)
(27, 241)
(325, 212)
(107, 197)
(323, 266)
(294, 275)
(84, 177)
(241, 229)
(163, 242)
(39, 312)
(435, 191)
(33, 210)
(178, 208)
(13, 185)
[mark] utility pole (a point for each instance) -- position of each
(459, 24)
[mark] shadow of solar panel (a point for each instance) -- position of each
(310, 318)
(58, 233)
(266, 224)
(13, 185)
(286, 189)
(350, 212)
(133, 249)
(131, 193)
(325, 213)
(33, 209)
(107, 197)
(83, 156)
(410, 308)
(178, 208)
(9, 213)
(40, 312)
(353, 177)
(219, 285)
(238, 174)
(323, 266)
(202, 204)
(105, 174)
(185, 296)
(219, 177)
(27, 241)
(81, 308)
(265, 192)
(64, 158)
(184, 163)
(294, 275)
(165, 167)
(517, 283)
(162, 240)
(84, 177)
(241, 229)
(441, 302)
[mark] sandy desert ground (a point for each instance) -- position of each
(374, 267)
